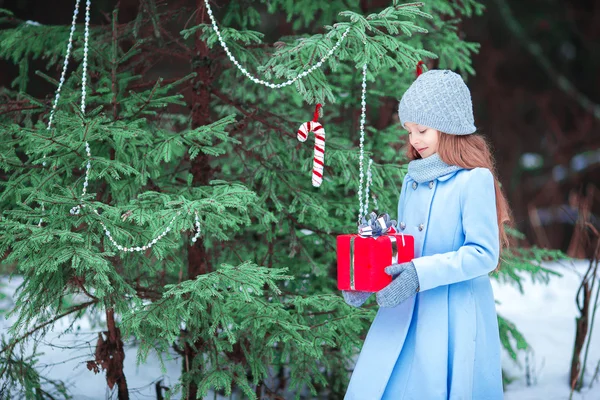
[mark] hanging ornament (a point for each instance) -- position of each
(420, 68)
(77, 209)
(363, 257)
(256, 80)
(319, 153)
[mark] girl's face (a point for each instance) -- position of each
(423, 138)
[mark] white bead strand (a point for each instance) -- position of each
(197, 235)
(375, 205)
(61, 82)
(363, 117)
(138, 248)
(65, 65)
(151, 242)
(367, 186)
(86, 40)
(260, 81)
(42, 219)
(75, 210)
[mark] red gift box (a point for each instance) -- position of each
(361, 260)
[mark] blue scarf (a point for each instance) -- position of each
(430, 168)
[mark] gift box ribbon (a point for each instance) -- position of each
(375, 227)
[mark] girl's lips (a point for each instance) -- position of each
(420, 150)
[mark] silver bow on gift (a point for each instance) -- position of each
(376, 226)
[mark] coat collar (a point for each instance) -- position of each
(448, 176)
(439, 178)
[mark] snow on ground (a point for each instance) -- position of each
(65, 355)
(60, 361)
(545, 315)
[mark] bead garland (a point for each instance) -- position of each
(363, 209)
(197, 222)
(153, 241)
(60, 84)
(367, 186)
(260, 81)
(88, 5)
(376, 206)
(75, 210)
(64, 70)
(363, 118)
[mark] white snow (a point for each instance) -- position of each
(545, 315)
(65, 358)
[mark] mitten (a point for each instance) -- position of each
(355, 299)
(404, 285)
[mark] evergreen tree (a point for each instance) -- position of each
(250, 304)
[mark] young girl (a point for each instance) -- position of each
(435, 335)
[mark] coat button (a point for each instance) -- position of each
(414, 185)
(421, 226)
(402, 225)
(431, 185)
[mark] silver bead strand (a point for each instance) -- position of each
(83, 92)
(151, 242)
(64, 70)
(363, 118)
(88, 5)
(376, 206)
(61, 83)
(75, 210)
(260, 81)
(138, 248)
(367, 187)
(197, 235)
(42, 219)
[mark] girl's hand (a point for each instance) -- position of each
(355, 298)
(404, 285)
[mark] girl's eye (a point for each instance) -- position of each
(421, 131)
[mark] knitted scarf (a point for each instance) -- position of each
(430, 168)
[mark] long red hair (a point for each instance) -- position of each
(472, 151)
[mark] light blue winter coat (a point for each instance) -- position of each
(442, 343)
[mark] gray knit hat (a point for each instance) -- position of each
(439, 99)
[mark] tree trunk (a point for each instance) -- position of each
(199, 168)
(580, 335)
(110, 356)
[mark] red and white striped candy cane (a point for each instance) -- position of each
(319, 155)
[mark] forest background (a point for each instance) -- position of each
(532, 70)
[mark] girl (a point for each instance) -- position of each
(435, 335)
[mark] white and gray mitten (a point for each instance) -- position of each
(404, 285)
(355, 298)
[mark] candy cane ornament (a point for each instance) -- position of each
(319, 154)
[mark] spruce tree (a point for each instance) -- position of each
(248, 303)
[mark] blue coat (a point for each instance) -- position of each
(442, 343)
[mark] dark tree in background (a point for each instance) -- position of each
(537, 97)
